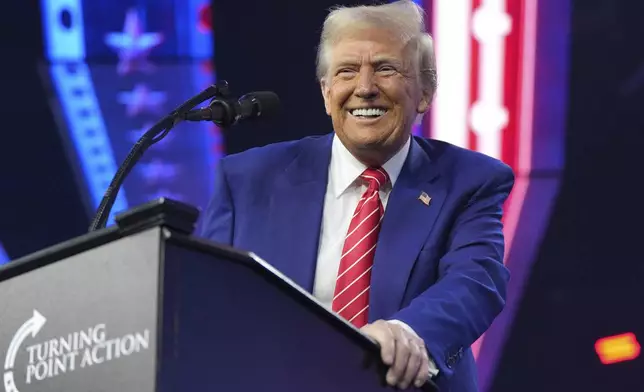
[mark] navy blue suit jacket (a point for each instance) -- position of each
(438, 267)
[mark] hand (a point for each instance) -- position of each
(402, 351)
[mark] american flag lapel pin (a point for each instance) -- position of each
(424, 197)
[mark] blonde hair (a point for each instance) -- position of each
(403, 18)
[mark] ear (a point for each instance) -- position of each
(423, 104)
(326, 94)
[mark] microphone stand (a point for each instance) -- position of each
(155, 134)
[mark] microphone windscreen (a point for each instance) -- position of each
(266, 103)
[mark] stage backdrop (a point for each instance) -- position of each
(115, 68)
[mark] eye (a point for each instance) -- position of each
(345, 72)
(386, 69)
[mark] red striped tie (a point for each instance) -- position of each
(351, 297)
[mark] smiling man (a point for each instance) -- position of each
(399, 235)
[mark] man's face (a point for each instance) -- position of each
(372, 94)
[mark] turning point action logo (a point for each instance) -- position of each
(74, 351)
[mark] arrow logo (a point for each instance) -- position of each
(30, 327)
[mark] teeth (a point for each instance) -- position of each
(371, 112)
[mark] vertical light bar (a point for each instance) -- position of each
(63, 29)
(195, 38)
(65, 36)
(451, 30)
(492, 110)
(201, 41)
(526, 23)
(491, 24)
(87, 131)
(529, 42)
(202, 53)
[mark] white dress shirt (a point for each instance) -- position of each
(344, 189)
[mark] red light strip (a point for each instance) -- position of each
(491, 44)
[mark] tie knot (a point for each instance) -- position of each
(376, 177)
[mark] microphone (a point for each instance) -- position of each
(221, 110)
(226, 112)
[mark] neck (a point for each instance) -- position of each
(371, 157)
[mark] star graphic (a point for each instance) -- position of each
(133, 44)
(157, 171)
(142, 99)
(135, 134)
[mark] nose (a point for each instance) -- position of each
(366, 88)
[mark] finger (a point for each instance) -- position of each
(401, 357)
(423, 370)
(382, 335)
(413, 365)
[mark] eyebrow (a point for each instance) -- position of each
(375, 62)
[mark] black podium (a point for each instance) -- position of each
(144, 306)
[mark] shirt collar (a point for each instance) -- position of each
(345, 168)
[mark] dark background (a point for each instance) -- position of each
(287, 66)
(587, 279)
(35, 174)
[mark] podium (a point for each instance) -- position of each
(144, 306)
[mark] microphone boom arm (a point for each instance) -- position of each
(157, 132)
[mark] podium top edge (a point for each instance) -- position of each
(60, 251)
(264, 268)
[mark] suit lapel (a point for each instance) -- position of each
(296, 209)
(405, 228)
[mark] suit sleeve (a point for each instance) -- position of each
(217, 221)
(471, 288)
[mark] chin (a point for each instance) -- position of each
(373, 137)
(372, 151)
(367, 142)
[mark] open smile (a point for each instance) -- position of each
(368, 113)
